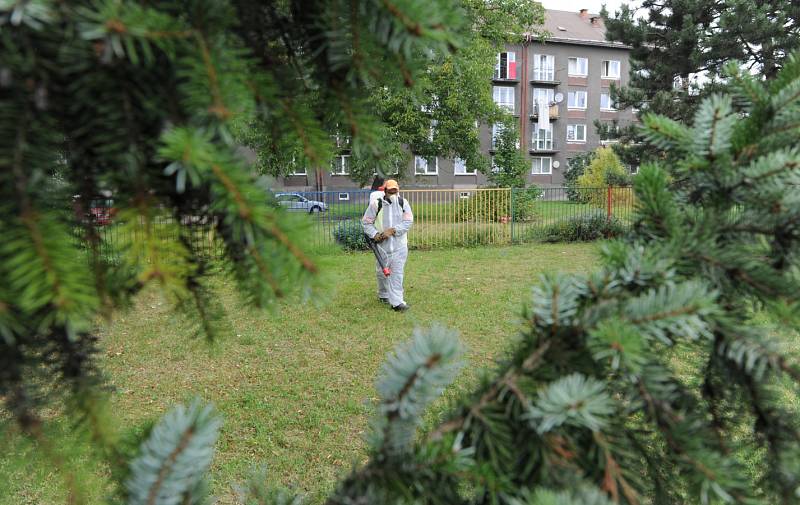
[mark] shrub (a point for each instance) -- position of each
(350, 235)
(603, 171)
(584, 228)
(524, 203)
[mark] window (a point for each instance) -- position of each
(432, 129)
(610, 69)
(506, 66)
(460, 167)
(289, 198)
(426, 166)
(634, 169)
(542, 139)
(341, 165)
(344, 196)
(342, 141)
(495, 168)
(497, 129)
(544, 67)
(542, 165)
(606, 103)
(295, 169)
(576, 100)
(542, 94)
(579, 67)
(464, 194)
(504, 97)
(576, 133)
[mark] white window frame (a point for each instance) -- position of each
(574, 103)
(340, 165)
(459, 162)
(546, 72)
(575, 71)
(542, 144)
(606, 67)
(540, 159)
(610, 105)
(495, 168)
(497, 95)
(294, 171)
(346, 197)
(511, 56)
(425, 169)
(574, 128)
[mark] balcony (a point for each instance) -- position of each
(553, 112)
(546, 145)
(544, 76)
(505, 80)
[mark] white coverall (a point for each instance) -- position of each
(395, 248)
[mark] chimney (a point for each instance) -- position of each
(584, 13)
(595, 20)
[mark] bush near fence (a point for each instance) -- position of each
(584, 228)
(442, 219)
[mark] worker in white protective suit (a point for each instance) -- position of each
(387, 221)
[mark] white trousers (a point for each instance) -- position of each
(392, 287)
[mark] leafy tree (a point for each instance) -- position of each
(437, 116)
(508, 165)
(603, 171)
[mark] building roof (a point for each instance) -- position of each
(577, 28)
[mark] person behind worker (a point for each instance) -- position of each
(377, 189)
(387, 221)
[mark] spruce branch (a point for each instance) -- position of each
(175, 457)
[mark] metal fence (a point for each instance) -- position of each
(442, 217)
(467, 217)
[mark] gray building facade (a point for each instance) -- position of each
(571, 73)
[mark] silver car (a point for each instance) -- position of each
(298, 203)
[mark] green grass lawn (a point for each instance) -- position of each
(293, 384)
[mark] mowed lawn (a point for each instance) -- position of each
(294, 384)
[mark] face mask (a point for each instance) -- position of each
(393, 198)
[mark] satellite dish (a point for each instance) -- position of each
(559, 97)
(556, 164)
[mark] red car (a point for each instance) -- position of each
(102, 211)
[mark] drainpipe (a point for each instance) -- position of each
(523, 94)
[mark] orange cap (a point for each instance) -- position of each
(392, 184)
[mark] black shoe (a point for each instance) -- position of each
(401, 308)
(383, 300)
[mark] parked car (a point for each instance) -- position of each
(299, 203)
(102, 211)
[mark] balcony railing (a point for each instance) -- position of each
(539, 144)
(544, 74)
(553, 111)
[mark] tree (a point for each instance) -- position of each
(679, 49)
(143, 100)
(651, 380)
(576, 166)
(605, 170)
(438, 116)
(508, 165)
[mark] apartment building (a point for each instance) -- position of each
(555, 89)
